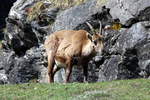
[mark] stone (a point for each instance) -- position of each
(75, 17)
(125, 10)
(122, 53)
(110, 69)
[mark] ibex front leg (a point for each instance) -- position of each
(68, 70)
(85, 72)
(50, 68)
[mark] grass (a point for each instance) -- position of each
(66, 3)
(101, 2)
(138, 89)
(36, 9)
(70, 3)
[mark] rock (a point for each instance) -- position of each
(126, 53)
(129, 38)
(39, 62)
(20, 36)
(74, 17)
(129, 10)
(22, 71)
(4, 58)
(26, 29)
(143, 51)
(110, 69)
(3, 79)
(18, 10)
(41, 27)
(4, 9)
(26, 68)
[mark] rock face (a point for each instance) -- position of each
(126, 51)
(20, 38)
(4, 9)
(75, 17)
(129, 12)
(123, 53)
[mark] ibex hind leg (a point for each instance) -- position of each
(85, 72)
(51, 66)
(51, 45)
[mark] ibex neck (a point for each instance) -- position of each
(88, 48)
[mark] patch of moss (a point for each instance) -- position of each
(101, 2)
(35, 10)
(66, 3)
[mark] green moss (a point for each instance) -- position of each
(101, 2)
(35, 10)
(66, 3)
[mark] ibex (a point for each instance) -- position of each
(64, 46)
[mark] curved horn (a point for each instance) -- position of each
(90, 26)
(100, 27)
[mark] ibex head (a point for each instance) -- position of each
(96, 38)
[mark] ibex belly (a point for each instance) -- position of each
(60, 64)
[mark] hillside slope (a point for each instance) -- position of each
(126, 53)
(138, 89)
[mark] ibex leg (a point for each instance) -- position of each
(50, 68)
(68, 70)
(56, 69)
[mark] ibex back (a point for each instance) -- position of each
(64, 46)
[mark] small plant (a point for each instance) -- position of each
(66, 3)
(34, 11)
(1, 46)
(101, 2)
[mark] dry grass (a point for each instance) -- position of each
(101, 2)
(66, 3)
(36, 9)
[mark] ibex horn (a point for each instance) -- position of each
(90, 26)
(100, 27)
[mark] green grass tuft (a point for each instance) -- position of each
(66, 3)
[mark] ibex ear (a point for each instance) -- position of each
(90, 36)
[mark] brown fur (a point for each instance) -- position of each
(63, 46)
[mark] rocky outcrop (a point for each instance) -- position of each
(126, 50)
(123, 53)
(23, 69)
(4, 10)
(129, 12)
